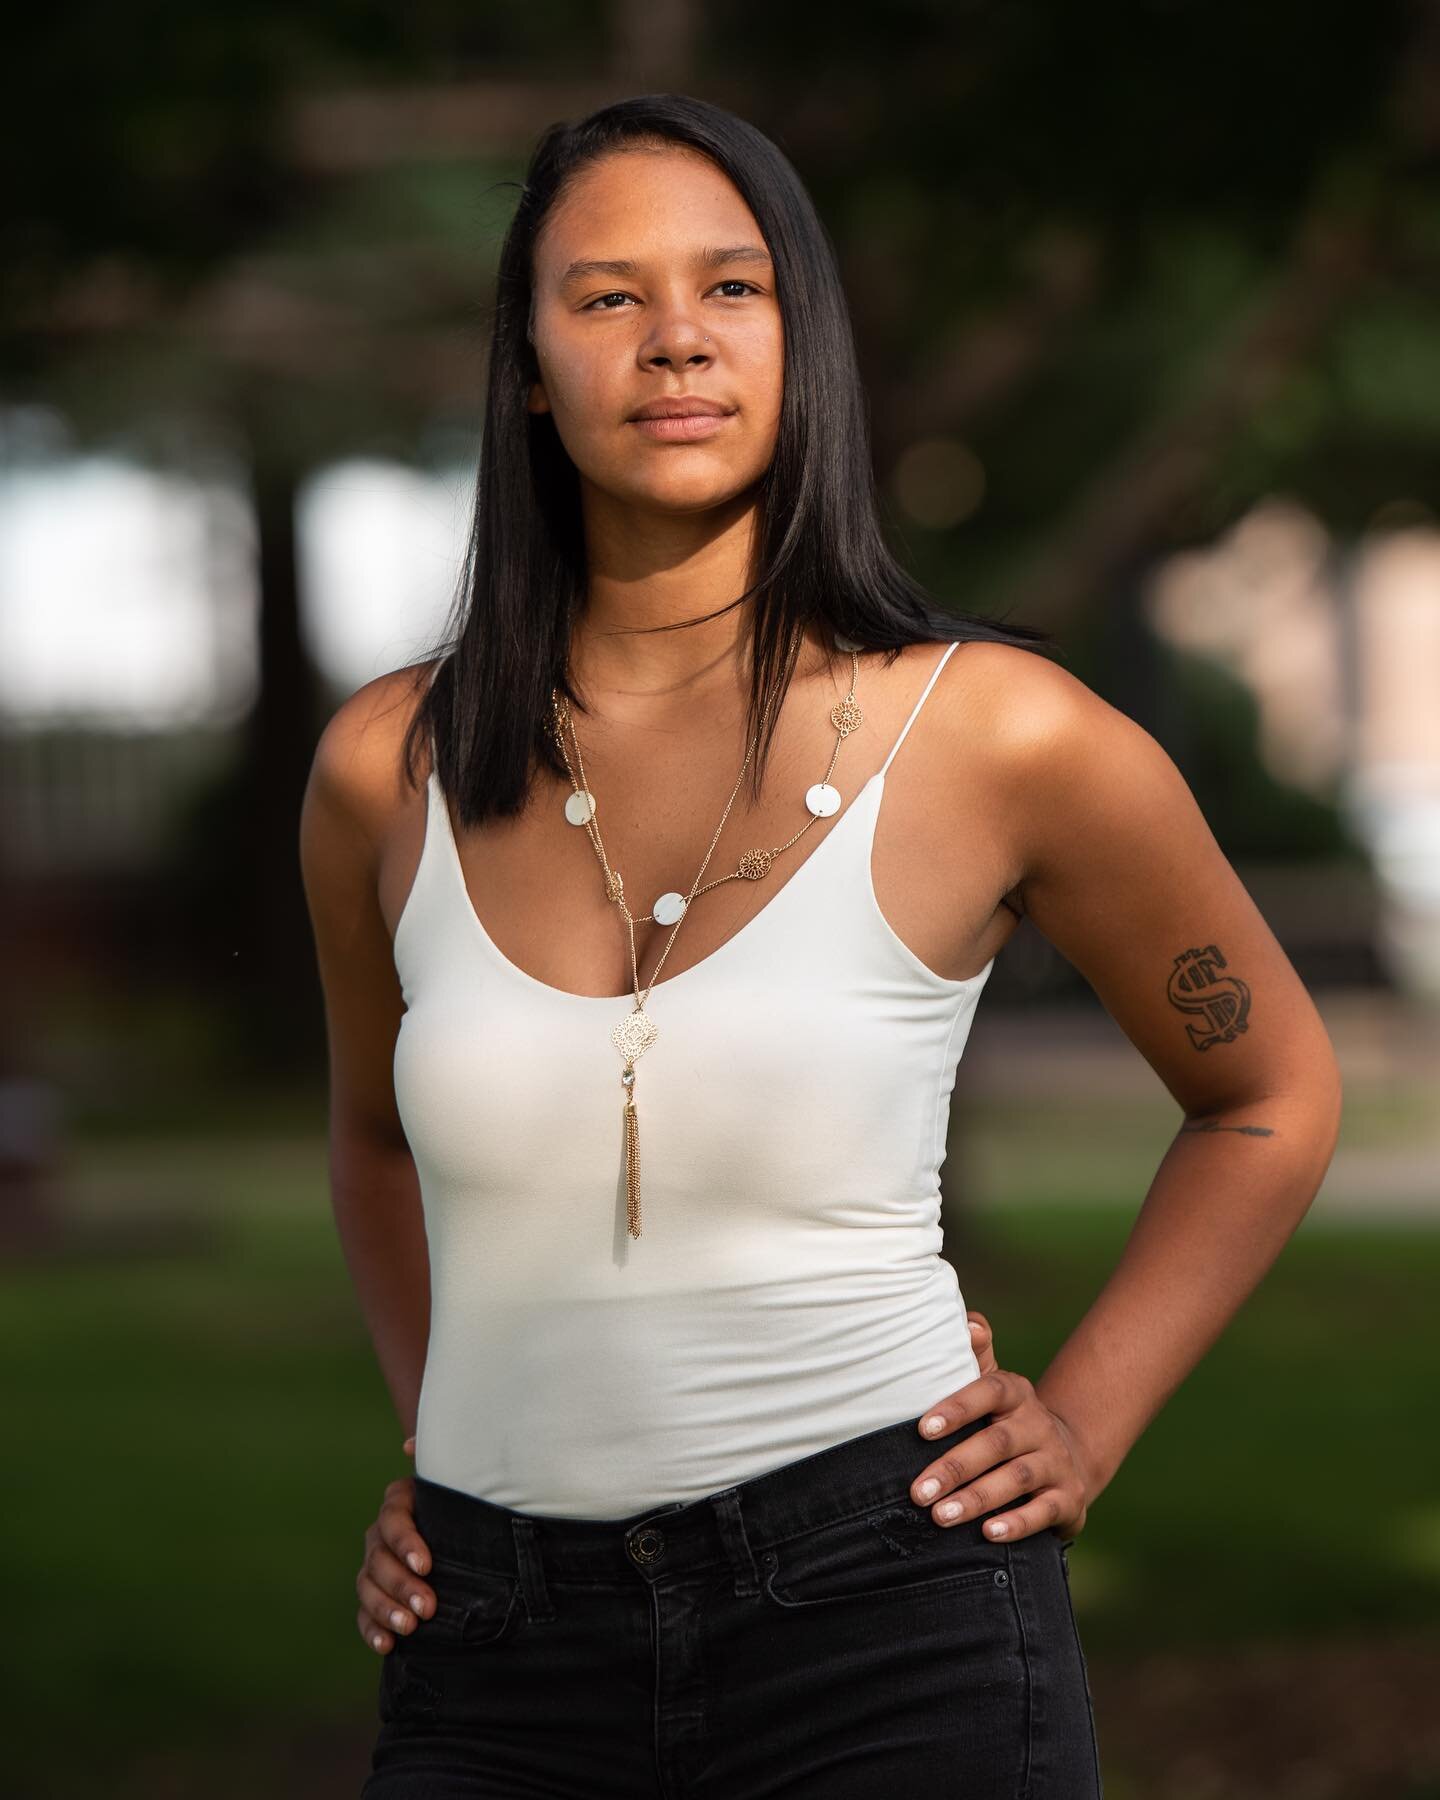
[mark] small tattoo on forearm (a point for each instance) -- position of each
(1220, 1002)
(1216, 1125)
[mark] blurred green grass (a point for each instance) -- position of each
(203, 1437)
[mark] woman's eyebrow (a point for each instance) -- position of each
(703, 259)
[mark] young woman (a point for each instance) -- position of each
(651, 920)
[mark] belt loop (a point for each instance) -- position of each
(737, 1544)
(528, 1561)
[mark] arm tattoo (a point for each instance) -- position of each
(1221, 1003)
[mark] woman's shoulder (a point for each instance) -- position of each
(1026, 701)
(1037, 734)
(359, 759)
(1058, 758)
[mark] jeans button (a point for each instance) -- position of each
(646, 1544)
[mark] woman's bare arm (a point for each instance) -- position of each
(349, 804)
(1123, 875)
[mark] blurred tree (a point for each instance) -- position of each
(1138, 266)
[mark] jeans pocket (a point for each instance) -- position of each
(476, 1611)
(472, 1606)
(895, 1550)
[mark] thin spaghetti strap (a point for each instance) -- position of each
(934, 675)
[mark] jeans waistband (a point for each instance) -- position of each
(684, 1538)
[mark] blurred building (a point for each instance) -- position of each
(1342, 653)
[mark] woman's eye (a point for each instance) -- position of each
(599, 302)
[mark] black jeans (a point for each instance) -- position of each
(810, 1633)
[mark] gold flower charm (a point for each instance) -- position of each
(755, 863)
(846, 716)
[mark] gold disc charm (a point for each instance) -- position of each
(846, 716)
(634, 1035)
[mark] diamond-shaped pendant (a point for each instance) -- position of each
(634, 1035)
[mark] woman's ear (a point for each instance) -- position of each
(539, 400)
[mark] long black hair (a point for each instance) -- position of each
(821, 554)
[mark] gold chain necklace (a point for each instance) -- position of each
(637, 1031)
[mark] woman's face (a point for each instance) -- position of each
(652, 282)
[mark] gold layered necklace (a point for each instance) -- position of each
(633, 1035)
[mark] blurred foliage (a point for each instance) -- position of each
(1079, 246)
(1142, 174)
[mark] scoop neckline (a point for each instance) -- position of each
(477, 924)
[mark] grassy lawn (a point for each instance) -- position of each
(1289, 1486)
(203, 1438)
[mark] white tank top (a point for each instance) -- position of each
(786, 1291)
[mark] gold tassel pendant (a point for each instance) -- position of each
(632, 1151)
(632, 1037)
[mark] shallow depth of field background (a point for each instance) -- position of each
(1145, 297)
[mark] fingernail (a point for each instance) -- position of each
(935, 1425)
(398, 1619)
(927, 1489)
(414, 1561)
(998, 1529)
(377, 1641)
(415, 1604)
(975, 1325)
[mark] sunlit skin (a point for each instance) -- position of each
(669, 527)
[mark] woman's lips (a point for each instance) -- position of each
(683, 427)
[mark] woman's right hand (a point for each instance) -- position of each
(393, 1598)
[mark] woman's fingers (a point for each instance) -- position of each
(991, 1389)
(396, 1525)
(1051, 1508)
(391, 1599)
(1023, 1450)
(973, 1470)
(1034, 1474)
(380, 1611)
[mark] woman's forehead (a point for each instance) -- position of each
(627, 208)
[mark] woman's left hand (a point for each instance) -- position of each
(1025, 1449)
